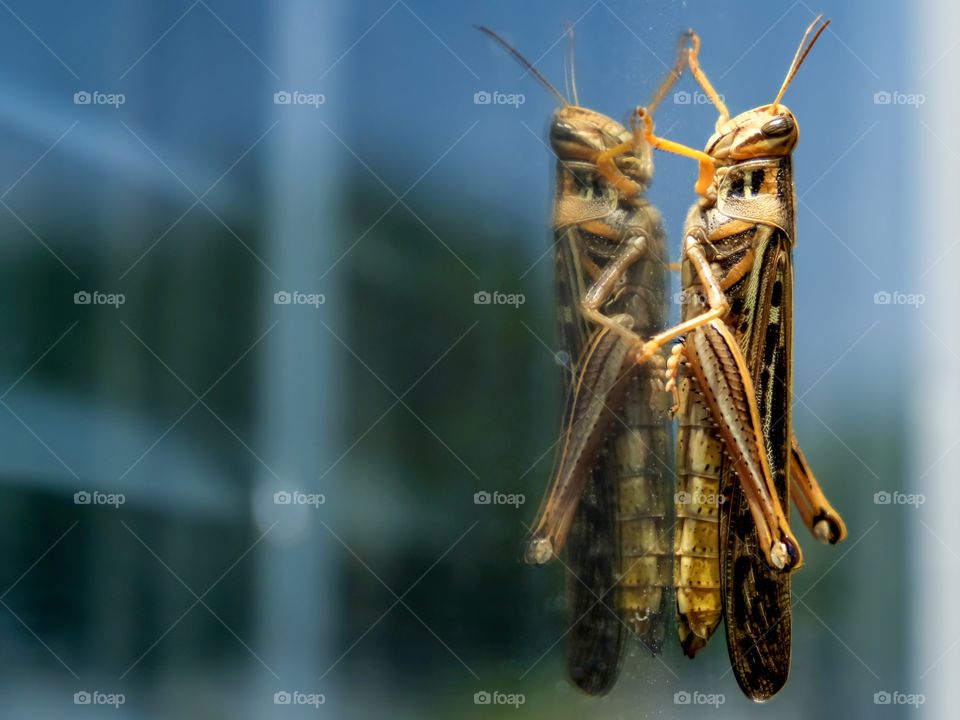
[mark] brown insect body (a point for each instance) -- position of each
(617, 424)
(733, 378)
(756, 262)
(608, 507)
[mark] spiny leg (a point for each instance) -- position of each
(721, 371)
(604, 369)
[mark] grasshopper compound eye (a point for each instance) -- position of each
(778, 127)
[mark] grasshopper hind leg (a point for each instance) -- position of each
(823, 522)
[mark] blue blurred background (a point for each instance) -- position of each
(240, 247)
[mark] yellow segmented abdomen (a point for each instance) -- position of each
(697, 538)
(642, 453)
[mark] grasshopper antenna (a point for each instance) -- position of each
(523, 61)
(572, 59)
(799, 57)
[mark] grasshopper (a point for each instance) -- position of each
(731, 375)
(608, 505)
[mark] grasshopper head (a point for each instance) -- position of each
(769, 130)
(579, 134)
(766, 131)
